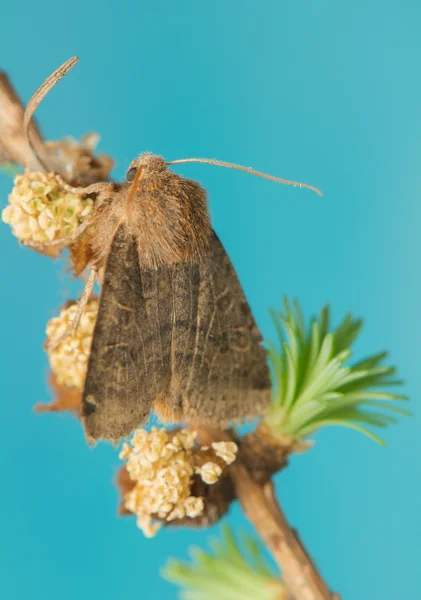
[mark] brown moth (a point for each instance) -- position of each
(174, 331)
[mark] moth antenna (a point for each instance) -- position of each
(35, 101)
(219, 163)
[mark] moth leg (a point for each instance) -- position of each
(80, 310)
(69, 239)
(94, 188)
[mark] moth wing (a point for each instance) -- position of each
(219, 367)
(129, 362)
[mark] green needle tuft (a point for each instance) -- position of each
(314, 385)
(235, 570)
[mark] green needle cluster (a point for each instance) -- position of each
(314, 385)
(233, 571)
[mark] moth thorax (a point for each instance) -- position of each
(170, 218)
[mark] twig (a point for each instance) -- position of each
(265, 454)
(260, 505)
(257, 498)
(13, 145)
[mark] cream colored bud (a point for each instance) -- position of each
(125, 451)
(187, 438)
(193, 507)
(149, 528)
(177, 513)
(165, 509)
(209, 472)
(226, 450)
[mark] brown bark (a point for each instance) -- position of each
(259, 504)
(264, 454)
(13, 145)
(257, 498)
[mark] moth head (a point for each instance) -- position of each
(167, 213)
(148, 163)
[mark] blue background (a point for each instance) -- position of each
(325, 92)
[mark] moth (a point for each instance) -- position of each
(174, 332)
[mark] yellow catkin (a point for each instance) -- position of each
(162, 465)
(40, 210)
(69, 359)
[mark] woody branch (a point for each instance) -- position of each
(255, 491)
(13, 145)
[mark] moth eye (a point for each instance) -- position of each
(131, 174)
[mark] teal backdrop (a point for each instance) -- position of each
(324, 92)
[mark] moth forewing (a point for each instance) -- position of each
(219, 367)
(129, 357)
